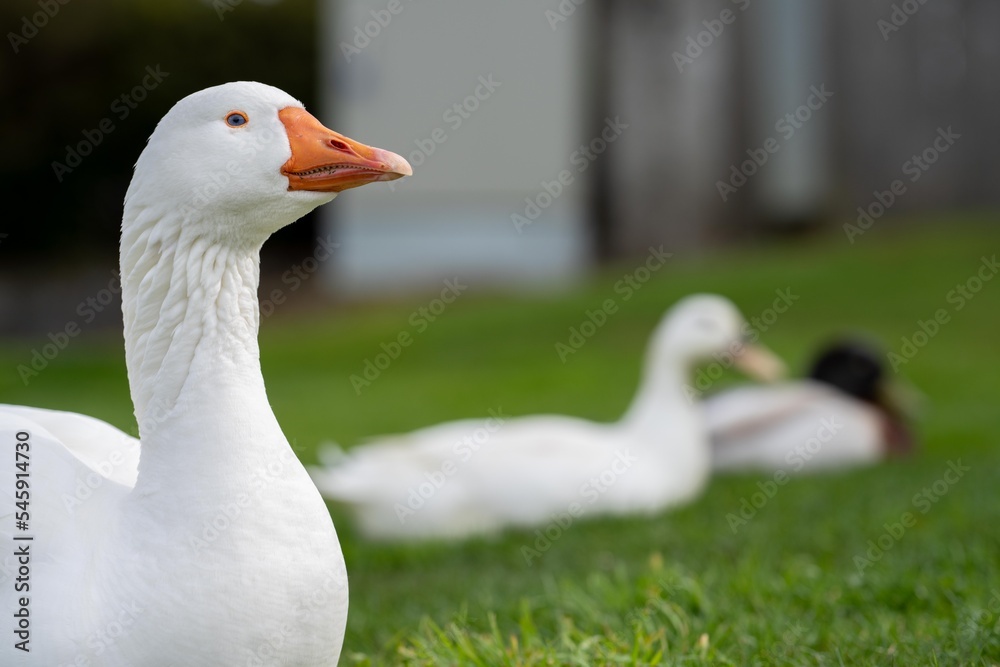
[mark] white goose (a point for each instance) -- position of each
(845, 413)
(214, 549)
(475, 476)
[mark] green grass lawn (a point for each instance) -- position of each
(683, 587)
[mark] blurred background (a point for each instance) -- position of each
(843, 151)
(546, 137)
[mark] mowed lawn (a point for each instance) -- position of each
(820, 574)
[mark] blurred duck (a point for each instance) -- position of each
(473, 476)
(845, 413)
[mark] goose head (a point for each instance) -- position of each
(224, 169)
(706, 327)
(244, 159)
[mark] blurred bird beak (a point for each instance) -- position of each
(760, 363)
(901, 404)
(903, 399)
(325, 161)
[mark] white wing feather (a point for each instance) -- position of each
(61, 502)
(796, 426)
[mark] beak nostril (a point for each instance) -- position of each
(340, 145)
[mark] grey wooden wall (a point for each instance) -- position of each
(940, 68)
(895, 84)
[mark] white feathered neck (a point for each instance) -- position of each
(666, 370)
(183, 293)
(660, 393)
(191, 318)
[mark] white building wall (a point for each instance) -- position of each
(518, 85)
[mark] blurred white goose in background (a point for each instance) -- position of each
(845, 413)
(471, 476)
(207, 547)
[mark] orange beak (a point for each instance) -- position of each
(325, 161)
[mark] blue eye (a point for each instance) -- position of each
(237, 119)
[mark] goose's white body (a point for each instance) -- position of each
(232, 570)
(476, 476)
(214, 548)
(794, 426)
(104, 448)
(432, 483)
